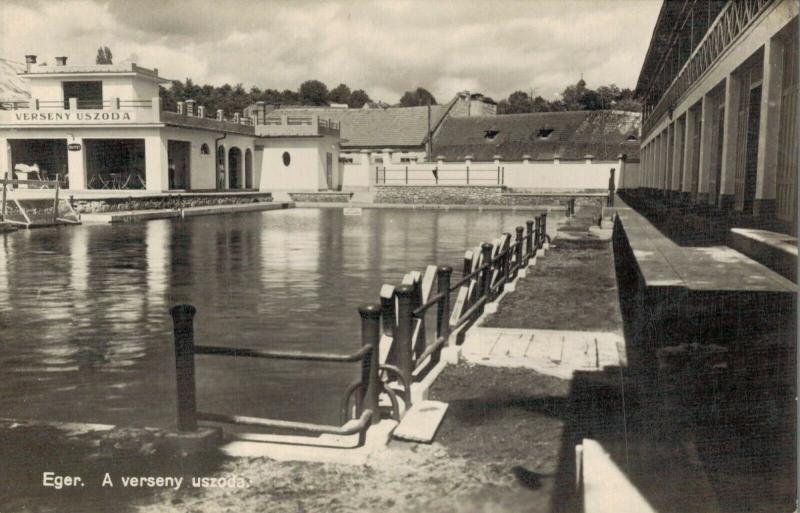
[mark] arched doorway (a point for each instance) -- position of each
(220, 168)
(248, 169)
(235, 168)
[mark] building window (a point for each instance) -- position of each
(204, 149)
(408, 160)
(378, 160)
(544, 133)
(346, 160)
(88, 93)
(287, 159)
(632, 137)
(491, 134)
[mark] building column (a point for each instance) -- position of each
(767, 163)
(662, 157)
(733, 91)
(156, 165)
(677, 157)
(668, 154)
(706, 151)
(76, 166)
(5, 158)
(688, 154)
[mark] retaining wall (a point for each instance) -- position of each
(477, 195)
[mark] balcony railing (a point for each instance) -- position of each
(732, 21)
(298, 125)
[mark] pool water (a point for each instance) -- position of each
(84, 311)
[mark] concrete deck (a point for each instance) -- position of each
(552, 352)
(663, 263)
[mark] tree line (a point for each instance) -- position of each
(316, 93)
(574, 97)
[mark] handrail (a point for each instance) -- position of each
(282, 355)
(349, 428)
(367, 354)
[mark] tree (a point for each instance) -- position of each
(340, 94)
(313, 92)
(417, 97)
(103, 56)
(358, 99)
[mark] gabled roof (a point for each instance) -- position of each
(543, 135)
(377, 128)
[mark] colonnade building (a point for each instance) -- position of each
(719, 131)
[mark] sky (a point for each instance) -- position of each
(384, 47)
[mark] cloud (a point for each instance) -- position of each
(383, 47)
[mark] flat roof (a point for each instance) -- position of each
(125, 69)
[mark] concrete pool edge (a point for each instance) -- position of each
(430, 206)
(132, 216)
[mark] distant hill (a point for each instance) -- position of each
(12, 87)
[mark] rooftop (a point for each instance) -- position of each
(125, 68)
(376, 128)
(542, 135)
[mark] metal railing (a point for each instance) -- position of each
(732, 21)
(368, 386)
(486, 271)
(27, 218)
(406, 175)
(393, 353)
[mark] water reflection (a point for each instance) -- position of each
(84, 310)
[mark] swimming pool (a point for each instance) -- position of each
(84, 311)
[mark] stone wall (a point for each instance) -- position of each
(475, 195)
(170, 201)
(321, 197)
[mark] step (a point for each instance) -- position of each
(777, 251)
(421, 421)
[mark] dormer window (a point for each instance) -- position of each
(544, 133)
(88, 93)
(632, 137)
(491, 134)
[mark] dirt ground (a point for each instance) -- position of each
(499, 450)
(572, 287)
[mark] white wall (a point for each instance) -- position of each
(534, 175)
(202, 167)
(566, 175)
(304, 169)
(122, 87)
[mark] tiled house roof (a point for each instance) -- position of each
(542, 135)
(377, 128)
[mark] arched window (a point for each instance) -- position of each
(287, 159)
(204, 149)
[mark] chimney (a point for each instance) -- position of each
(61, 61)
(190, 107)
(29, 61)
(155, 71)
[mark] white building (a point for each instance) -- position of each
(103, 127)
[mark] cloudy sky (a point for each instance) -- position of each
(383, 47)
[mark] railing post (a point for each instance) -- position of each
(443, 274)
(544, 227)
(183, 324)
(370, 336)
(406, 175)
(538, 236)
(467, 174)
(506, 260)
(486, 276)
(529, 249)
(520, 230)
(404, 334)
